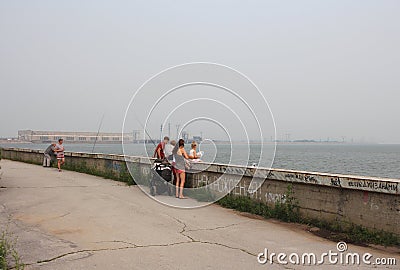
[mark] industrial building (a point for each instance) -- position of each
(36, 136)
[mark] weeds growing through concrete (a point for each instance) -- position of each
(289, 211)
(9, 258)
(286, 211)
(122, 175)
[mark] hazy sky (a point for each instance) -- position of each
(327, 68)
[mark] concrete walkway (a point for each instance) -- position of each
(71, 220)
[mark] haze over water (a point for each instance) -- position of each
(379, 160)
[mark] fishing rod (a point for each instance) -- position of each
(98, 131)
(148, 135)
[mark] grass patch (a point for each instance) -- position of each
(122, 174)
(352, 233)
(9, 258)
(21, 159)
(288, 211)
(119, 174)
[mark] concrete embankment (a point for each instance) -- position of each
(71, 220)
(373, 203)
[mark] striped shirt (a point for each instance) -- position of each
(61, 153)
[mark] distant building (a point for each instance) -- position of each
(197, 139)
(185, 136)
(36, 136)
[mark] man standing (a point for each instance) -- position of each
(159, 151)
(48, 153)
(168, 150)
(59, 149)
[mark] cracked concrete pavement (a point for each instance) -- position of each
(71, 220)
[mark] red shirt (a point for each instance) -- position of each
(161, 147)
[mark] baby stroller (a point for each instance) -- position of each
(161, 177)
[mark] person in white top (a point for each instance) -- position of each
(168, 149)
(193, 152)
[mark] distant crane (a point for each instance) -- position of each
(177, 130)
(287, 137)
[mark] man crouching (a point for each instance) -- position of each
(48, 155)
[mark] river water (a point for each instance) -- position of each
(380, 160)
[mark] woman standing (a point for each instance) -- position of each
(180, 154)
(59, 150)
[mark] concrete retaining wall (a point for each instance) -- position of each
(370, 202)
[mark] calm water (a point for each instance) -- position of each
(368, 160)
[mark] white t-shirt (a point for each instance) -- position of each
(168, 149)
(199, 155)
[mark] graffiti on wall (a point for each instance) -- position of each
(113, 165)
(235, 186)
(145, 170)
(298, 177)
(335, 181)
(374, 185)
(275, 197)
